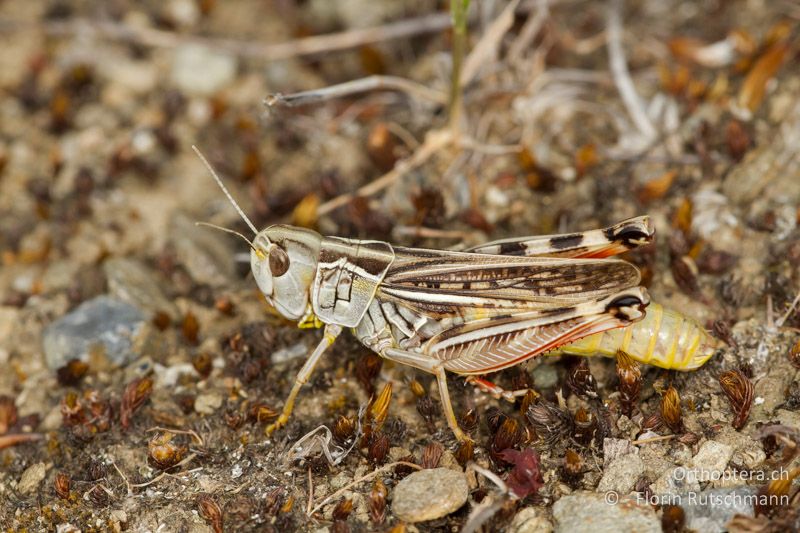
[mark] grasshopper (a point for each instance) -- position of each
(471, 313)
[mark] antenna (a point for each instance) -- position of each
(227, 230)
(225, 190)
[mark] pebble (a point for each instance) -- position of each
(530, 520)
(207, 403)
(429, 494)
(589, 511)
(677, 480)
(711, 460)
(31, 477)
(711, 510)
(545, 376)
(131, 281)
(201, 71)
(115, 325)
(621, 474)
(203, 251)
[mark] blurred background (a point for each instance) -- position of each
(527, 117)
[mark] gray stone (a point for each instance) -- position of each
(113, 325)
(545, 376)
(590, 511)
(677, 480)
(207, 403)
(203, 251)
(621, 474)
(616, 448)
(31, 478)
(131, 281)
(429, 494)
(530, 520)
(201, 71)
(711, 461)
(711, 510)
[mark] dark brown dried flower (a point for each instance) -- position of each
(274, 500)
(775, 492)
(210, 511)
(368, 366)
(580, 380)
(343, 430)
(671, 410)
(465, 452)
(163, 451)
(72, 373)
(136, 392)
(585, 426)
(530, 398)
(689, 438)
(378, 447)
(494, 419)
(161, 320)
(377, 502)
(416, 388)
(684, 272)
(99, 496)
(428, 410)
(62, 484)
(630, 382)
(340, 526)
(737, 138)
(8, 413)
(673, 518)
(721, 329)
(382, 147)
(233, 418)
(740, 392)
(794, 355)
(715, 262)
(431, 455)
(343, 509)
(550, 422)
(509, 435)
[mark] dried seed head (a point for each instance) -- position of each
(550, 422)
(190, 328)
(225, 305)
(210, 511)
(469, 421)
(377, 502)
(417, 389)
(652, 422)
(630, 382)
(62, 484)
(794, 355)
(530, 398)
(8, 413)
(721, 329)
(203, 363)
(573, 463)
(465, 452)
(684, 272)
(428, 410)
(98, 496)
(161, 320)
(671, 410)
(343, 430)
(343, 509)
(367, 369)
(673, 518)
(580, 380)
(775, 492)
(382, 147)
(340, 526)
(72, 373)
(585, 426)
(494, 419)
(740, 392)
(95, 470)
(163, 451)
(689, 438)
(379, 407)
(234, 418)
(378, 447)
(431, 455)
(136, 392)
(261, 413)
(509, 435)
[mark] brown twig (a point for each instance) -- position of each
(434, 142)
(13, 439)
(180, 431)
(370, 83)
(306, 46)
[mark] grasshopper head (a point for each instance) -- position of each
(284, 261)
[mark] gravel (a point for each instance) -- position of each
(429, 494)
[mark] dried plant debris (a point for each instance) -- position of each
(164, 363)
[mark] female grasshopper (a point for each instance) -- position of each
(471, 312)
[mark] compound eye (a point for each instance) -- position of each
(278, 261)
